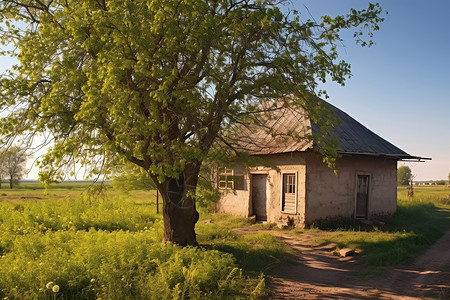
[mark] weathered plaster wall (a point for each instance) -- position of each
(320, 193)
(239, 202)
(330, 196)
(286, 163)
(236, 202)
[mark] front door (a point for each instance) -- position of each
(259, 197)
(362, 196)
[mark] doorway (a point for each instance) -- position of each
(362, 196)
(259, 196)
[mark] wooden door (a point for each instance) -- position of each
(362, 196)
(259, 196)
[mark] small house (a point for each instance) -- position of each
(298, 188)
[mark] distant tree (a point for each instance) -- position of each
(2, 169)
(404, 175)
(13, 161)
(441, 182)
(448, 178)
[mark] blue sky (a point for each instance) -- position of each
(399, 87)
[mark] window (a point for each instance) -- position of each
(226, 178)
(289, 195)
(290, 183)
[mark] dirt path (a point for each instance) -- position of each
(428, 277)
(321, 275)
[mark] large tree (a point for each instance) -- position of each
(157, 82)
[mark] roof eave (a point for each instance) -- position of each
(401, 157)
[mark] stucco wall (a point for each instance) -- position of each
(330, 196)
(236, 202)
(320, 193)
(286, 163)
(239, 202)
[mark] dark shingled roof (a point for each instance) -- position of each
(288, 130)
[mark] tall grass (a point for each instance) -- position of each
(109, 247)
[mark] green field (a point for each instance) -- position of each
(106, 244)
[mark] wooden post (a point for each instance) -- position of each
(411, 187)
(157, 201)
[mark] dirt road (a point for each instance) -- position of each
(321, 275)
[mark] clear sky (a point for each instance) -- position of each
(399, 87)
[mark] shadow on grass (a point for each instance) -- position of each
(252, 261)
(254, 253)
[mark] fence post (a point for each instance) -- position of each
(157, 201)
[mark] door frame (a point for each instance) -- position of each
(368, 193)
(251, 210)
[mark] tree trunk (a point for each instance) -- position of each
(11, 183)
(179, 212)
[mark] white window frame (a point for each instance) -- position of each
(282, 193)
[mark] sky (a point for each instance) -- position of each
(399, 87)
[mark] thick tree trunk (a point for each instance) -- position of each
(179, 211)
(11, 183)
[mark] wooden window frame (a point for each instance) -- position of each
(283, 173)
(228, 182)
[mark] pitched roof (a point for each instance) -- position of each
(289, 130)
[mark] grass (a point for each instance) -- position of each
(418, 223)
(108, 246)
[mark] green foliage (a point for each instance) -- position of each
(132, 178)
(403, 175)
(207, 195)
(114, 265)
(440, 182)
(120, 81)
(110, 247)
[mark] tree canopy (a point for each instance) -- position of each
(157, 82)
(131, 177)
(404, 175)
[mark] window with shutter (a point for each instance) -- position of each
(289, 192)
